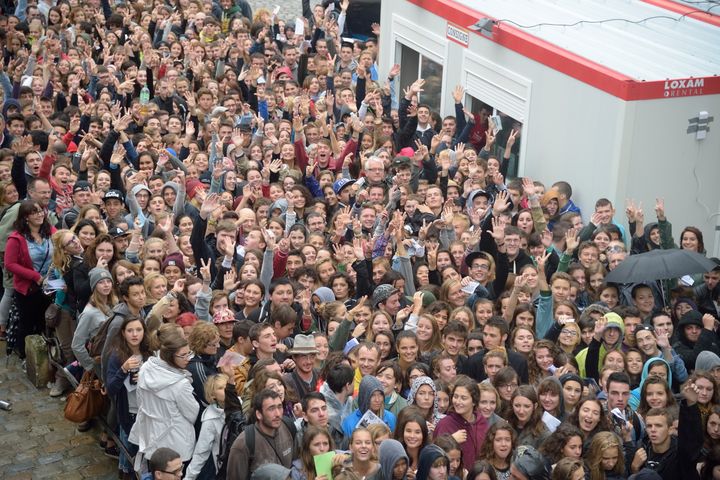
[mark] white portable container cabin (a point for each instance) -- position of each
(621, 98)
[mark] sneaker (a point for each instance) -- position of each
(112, 452)
(57, 389)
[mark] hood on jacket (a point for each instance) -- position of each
(646, 235)
(707, 361)
(368, 386)
(10, 102)
(139, 187)
(391, 451)
(325, 294)
(279, 204)
(427, 457)
(158, 375)
(649, 363)
(172, 185)
(693, 317)
(419, 382)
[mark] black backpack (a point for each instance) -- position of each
(235, 424)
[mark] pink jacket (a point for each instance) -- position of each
(19, 263)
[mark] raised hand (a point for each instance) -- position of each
(511, 139)
(458, 93)
(572, 240)
(660, 209)
(211, 202)
(501, 202)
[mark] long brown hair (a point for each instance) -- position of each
(121, 347)
(488, 449)
(27, 207)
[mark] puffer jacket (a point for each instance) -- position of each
(167, 410)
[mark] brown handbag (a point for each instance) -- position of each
(86, 402)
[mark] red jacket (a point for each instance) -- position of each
(19, 263)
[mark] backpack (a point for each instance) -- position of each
(249, 441)
(235, 424)
(97, 342)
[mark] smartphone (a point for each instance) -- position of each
(618, 418)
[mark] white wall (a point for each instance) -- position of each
(602, 145)
(663, 160)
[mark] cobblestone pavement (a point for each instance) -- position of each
(35, 439)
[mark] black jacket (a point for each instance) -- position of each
(688, 350)
(475, 369)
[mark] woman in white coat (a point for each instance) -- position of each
(167, 408)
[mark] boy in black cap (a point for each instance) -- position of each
(114, 206)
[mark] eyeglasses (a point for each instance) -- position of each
(37, 211)
(185, 356)
(177, 473)
(509, 386)
(480, 266)
(74, 239)
(567, 331)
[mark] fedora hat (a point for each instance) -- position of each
(303, 345)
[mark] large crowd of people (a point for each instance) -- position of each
(281, 264)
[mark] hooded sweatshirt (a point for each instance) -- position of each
(419, 382)
(476, 431)
(635, 394)
(428, 455)
(166, 410)
(707, 361)
(368, 386)
(591, 358)
(689, 351)
(391, 452)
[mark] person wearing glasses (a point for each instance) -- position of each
(28, 256)
(67, 253)
(167, 408)
(165, 464)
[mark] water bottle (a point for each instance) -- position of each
(144, 99)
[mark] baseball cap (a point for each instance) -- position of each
(342, 183)
(113, 194)
(81, 186)
(116, 232)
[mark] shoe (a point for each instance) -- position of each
(112, 452)
(84, 426)
(57, 390)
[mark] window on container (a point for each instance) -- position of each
(486, 113)
(414, 65)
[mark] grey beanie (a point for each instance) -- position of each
(97, 274)
(706, 361)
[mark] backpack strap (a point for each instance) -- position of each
(250, 445)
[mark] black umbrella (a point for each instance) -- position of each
(660, 265)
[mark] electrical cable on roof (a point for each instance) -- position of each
(580, 22)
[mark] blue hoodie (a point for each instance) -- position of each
(368, 386)
(635, 394)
